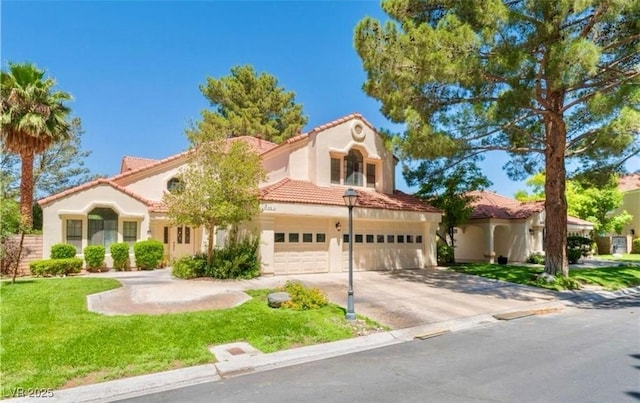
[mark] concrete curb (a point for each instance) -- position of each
(132, 387)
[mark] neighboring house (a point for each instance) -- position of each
(500, 226)
(303, 222)
(629, 185)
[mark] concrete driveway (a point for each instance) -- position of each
(398, 299)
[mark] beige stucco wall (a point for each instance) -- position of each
(276, 165)
(338, 140)
(78, 205)
(631, 203)
(153, 185)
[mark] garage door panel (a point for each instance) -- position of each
(301, 257)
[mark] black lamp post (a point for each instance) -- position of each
(350, 198)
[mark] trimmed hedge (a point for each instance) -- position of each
(56, 267)
(635, 246)
(120, 255)
(94, 256)
(148, 254)
(62, 251)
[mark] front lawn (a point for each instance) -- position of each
(627, 257)
(50, 340)
(610, 278)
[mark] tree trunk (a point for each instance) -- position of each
(26, 190)
(555, 199)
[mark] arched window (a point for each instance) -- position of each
(174, 185)
(353, 170)
(103, 227)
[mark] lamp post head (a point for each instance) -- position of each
(350, 197)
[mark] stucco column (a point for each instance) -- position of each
(429, 241)
(489, 253)
(266, 227)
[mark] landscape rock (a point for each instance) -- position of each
(276, 299)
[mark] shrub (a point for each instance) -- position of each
(62, 251)
(445, 254)
(303, 298)
(148, 254)
(237, 260)
(635, 246)
(574, 255)
(94, 256)
(535, 258)
(55, 267)
(120, 255)
(190, 267)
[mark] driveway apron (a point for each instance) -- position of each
(398, 299)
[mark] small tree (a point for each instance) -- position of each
(219, 183)
(448, 190)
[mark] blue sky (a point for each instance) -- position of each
(134, 68)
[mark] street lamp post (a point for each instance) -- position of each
(350, 198)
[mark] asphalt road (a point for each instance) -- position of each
(591, 354)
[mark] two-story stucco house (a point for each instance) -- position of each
(303, 222)
(629, 185)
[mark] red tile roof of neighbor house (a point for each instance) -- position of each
(578, 221)
(305, 192)
(629, 182)
(493, 205)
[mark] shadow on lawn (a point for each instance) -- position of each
(469, 284)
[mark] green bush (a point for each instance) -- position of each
(237, 260)
(120, 255)
(94, 256)
(574, 255)
(148, 254)
(635, 246)
(535, 258)
(445, 254)
(190, 267)
(62, 251)
(56, 267)
(303, 298)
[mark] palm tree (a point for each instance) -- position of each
(33, 117)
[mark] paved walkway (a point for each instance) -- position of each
(399, 299)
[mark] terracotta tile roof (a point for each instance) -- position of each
(257, 144)
(131, 163)
(493, 205)
(304, 192)
(578, 221)
(629, 182)
(89, 185)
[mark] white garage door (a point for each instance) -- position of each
(385, 246)
(301, 246)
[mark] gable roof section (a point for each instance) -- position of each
(257, 145)
(305, 192)
(628, 183)
(578, 221)
(92, 184)
(131, 163)
(493, 205)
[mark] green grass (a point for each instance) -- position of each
(610, 278)
(627, 257)
(50, 340)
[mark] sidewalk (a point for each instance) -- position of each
(243, 364)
